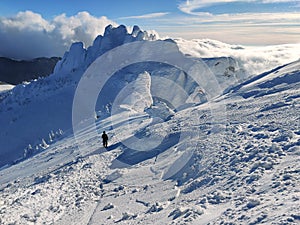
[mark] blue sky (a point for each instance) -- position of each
(113, 9)
(248, 22)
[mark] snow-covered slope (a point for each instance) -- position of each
(241, 170)
(34, 115)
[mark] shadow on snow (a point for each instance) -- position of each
(130, 157)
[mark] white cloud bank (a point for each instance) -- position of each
(255, 60)
(28, 35)
(147, 16)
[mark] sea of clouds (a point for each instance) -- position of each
(254, 59)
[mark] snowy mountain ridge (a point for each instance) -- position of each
(50, 99)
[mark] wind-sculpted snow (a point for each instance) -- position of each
(80, 58)
(276, 80)
(136, 96)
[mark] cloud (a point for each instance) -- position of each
(254, 59)
(189, 6)
(238, 28)
(235, 34)
(245, 18)
(278, 1)
(146, 16)
(28, 35)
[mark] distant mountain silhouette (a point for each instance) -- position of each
(15, 72)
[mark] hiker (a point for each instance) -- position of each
(104, 139)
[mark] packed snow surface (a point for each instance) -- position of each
(230, 159)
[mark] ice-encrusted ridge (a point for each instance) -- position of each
(78, 57)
